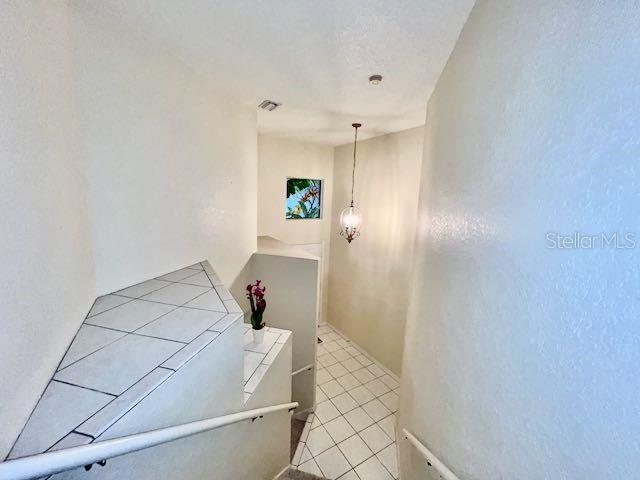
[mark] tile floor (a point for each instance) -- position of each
(351, 434)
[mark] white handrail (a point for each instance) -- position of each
(300, 370)
(58, 461)
(432, 460)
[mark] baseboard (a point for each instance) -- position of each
(282, 472)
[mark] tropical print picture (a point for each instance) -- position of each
(303, 198)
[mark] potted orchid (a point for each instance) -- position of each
(255, 294)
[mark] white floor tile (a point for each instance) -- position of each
(389, 458)
(130, 316)
(372, 469)
(322, 376)
(348, 381)
(388, 424)
(143, 288)
(320, 396)
(315, 422)
(182, 324)
(297, 456)
(351, 365)
(120, 364)
(344, 403)
(389, 381)
(319, 440)
(332, 388)
(350, 475)
(376, 409)
(105, 303)
(88, 340)
(339, 429)
(340, 417)
(341, 355)
(331, 347)
(208, 301)
(306, 454)
(326, 411)
(352, 351)
(355, 450)
(332, 463)
(310, 466)
(377, 387)
(327, 360)
(390, 400)
(359, 419)
(337, 370)
(361, 394)
(363, 375)
(364, 360)
(176, 294)
(375, 438)
(61, 408)
(376, 370)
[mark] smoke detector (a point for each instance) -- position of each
(375, 79)
(269, 105)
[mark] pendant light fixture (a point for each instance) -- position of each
(350, 218)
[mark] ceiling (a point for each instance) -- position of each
(313, 56)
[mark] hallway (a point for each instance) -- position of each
(351, 436)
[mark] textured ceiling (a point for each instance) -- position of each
(313, 56)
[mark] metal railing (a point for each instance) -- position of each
(300, 370)
(44, 464)
(431, 459)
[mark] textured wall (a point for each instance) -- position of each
(369, 278)
(47, 277)
(523, 362)
(172, 159)
(277, 160)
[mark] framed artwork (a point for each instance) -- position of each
(304, 198)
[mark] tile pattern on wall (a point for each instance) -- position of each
(131, 342)
(351, 434)
(258, 357)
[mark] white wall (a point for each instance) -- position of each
(172, 160)
(47, 277)
(277, 160)
(369, 278)
(523, 361)
(118, 164)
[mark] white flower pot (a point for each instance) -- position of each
(258, 336)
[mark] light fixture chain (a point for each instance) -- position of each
(353, 173)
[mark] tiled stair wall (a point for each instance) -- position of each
(167, 351)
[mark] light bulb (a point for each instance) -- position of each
(350, 220)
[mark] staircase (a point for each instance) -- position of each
(161, 353)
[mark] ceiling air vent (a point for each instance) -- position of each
(269, 105)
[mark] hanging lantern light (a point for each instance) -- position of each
(350, 218)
